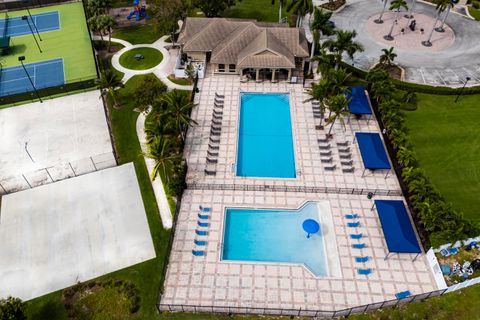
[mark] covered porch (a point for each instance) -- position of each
(267, 74)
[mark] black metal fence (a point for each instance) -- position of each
(304, 189)
(10, 5)
(165, 307)
(46, 93)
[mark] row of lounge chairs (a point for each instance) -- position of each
(215, 135)
(201, 231)
(354, 223)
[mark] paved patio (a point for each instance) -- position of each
(449, 66)
(207, 281)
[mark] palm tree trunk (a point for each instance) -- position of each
(298, 20)
(280, 13)
(410, 13)
(389, 36)
(440, 29)
(331, 127)
(109, 39)
(433, 28)
(379, 20)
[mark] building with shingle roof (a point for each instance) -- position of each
(235, 46)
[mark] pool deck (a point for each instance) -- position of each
(206, 281)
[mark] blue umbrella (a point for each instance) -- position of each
(310, 226)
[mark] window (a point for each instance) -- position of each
(221, 68)
(231, 68)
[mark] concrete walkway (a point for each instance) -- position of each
(159, 70)
(158, 189)
(446, 67)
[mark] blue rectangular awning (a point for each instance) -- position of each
(359, 103)
(396, 226)
(373, 152)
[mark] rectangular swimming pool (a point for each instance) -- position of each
(265, 141)
(265, 235)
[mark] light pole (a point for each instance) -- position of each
(29, 155)
(21, 59)
(461, 90)
(34, 25)
(25, 18)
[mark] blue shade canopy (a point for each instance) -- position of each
(373, 152)
(359, 103)
(311, 226)
(396, 226)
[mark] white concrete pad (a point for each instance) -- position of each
(73, 230)
(58, 132)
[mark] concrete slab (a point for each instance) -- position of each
(67, 136)
(74, 230)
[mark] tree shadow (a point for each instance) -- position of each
(52, 309)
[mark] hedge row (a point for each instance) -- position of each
(435, 217)
(421, 88)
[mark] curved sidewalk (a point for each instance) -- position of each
(163, 207)
(159, 70)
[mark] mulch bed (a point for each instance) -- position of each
(333, 5)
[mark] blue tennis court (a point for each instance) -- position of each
(44, 74)
(47, 21)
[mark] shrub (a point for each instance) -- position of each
(476, 4)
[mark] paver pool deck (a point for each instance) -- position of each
(208, 281)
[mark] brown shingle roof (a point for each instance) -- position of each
(244, 42)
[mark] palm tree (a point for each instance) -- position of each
(300, 8)
(108, 24)
(281, 3)
(325, 61)
(321, 25)
(449, 7)
(338, 106)
(395, 5)
(320, 93)
(343, 43)
(161, 149)
(441, 6)
(379, 20)
(176, 114)
(387, 57)
(107, 83)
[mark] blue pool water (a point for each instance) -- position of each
(265, 142)
(274, 236)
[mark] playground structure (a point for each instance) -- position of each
(139, 10)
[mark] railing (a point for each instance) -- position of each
(75, 85)
(304, 189)
(60, 171)
(166, 307)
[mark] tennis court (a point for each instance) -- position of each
(43, 22)
(44, 74)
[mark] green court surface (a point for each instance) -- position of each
(71, 42)
(446, 138)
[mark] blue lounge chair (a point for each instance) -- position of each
(203, 216)
(364, 272)
(351, 216)
(448, 252)
(353, 224)
(204, 209)
(203, 224)
(356, 236)
(200, 242)
(198, 253)
(359, 245)
(403, 294)
(361, 259)
(201, 232)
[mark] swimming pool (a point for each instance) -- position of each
(275, 235)
(265, 142)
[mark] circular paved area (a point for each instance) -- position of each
(448, 66)
(409, 40)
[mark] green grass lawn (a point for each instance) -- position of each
(474, 13)
(151, 58)
(261, 10)
(446, 138)
(147, 275)
(71, 42)
(145, 33)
